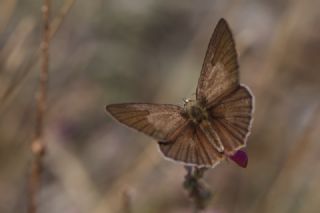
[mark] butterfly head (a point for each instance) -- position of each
(188, 104)
(187, 101)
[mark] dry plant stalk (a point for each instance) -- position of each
(37, 145)
(126, 201)
(35, 58)
(197, 189)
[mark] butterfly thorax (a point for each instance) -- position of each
(195, 111)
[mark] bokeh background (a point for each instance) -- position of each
(110, 51)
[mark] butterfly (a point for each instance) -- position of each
(209, 129)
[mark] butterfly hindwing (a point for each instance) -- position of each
(160, 121)
(219, 75)
(191, 147)
(232, 118)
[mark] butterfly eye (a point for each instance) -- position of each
(186, 100)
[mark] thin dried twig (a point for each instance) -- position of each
(37, 145)
(126, 200)
(23, 72)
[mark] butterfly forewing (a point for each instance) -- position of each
(192, 147)
(232, 118)
(219, 75)
(160, 121)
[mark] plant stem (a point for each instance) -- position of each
(37, 145)
(197, 189)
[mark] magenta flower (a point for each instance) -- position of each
(240, 157)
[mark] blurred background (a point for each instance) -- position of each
(115, 51)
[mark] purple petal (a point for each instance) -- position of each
(241, 158)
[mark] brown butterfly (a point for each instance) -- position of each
(206, 130)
